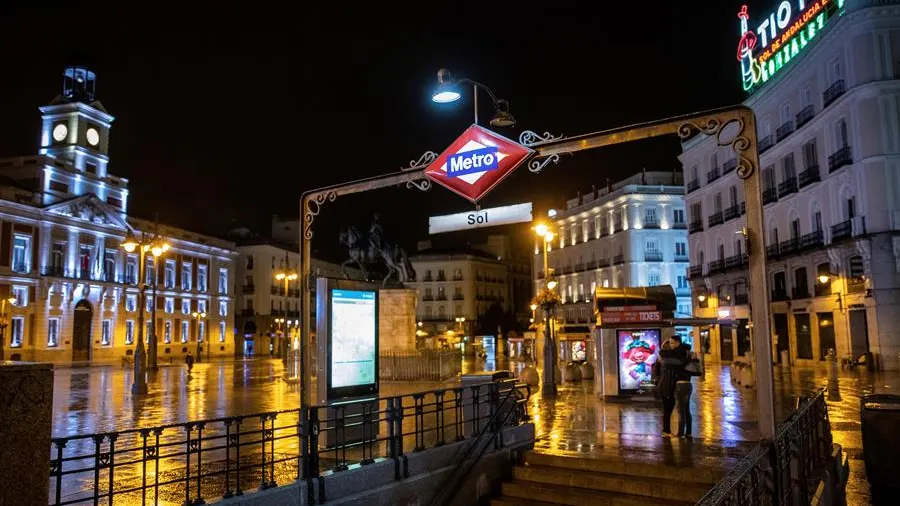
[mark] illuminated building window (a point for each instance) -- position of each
(129, 332)
(170, 274)
(131, 270)
(17, 331)
(148, 332)
(223, 308)
(106, 332)
(148, 303)
(185, 306)
(167, 335)
(150, 271)
(185, 331)
(20, 293)
(223, 280)
(221, 332)
(53, 332)
(170, 305)
(187, 270)
(21, 253)
(201, 331)
(131, 302)
(201, 278)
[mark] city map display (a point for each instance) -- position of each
(353, 338)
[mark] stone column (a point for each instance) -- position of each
(25, 415)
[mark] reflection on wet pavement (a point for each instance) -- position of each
(97, 399)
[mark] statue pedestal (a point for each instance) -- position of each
(397, 319)
(25, 437)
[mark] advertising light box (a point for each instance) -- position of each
(353, 343)
(638, 351)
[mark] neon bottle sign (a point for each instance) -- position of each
(779, 37)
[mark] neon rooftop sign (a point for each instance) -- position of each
(779, 37)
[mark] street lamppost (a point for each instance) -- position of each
(447, 91)
(4, 322)
(547, 300)
(156, 246)
(286, 275)
(198, 316)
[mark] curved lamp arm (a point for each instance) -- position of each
(480, 85)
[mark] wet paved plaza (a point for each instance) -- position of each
(576, 422)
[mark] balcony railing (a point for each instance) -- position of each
(592, 265)
(770, 195)
(805, 115)
(766, 143)
(812, 240)
(833, 92)
(839, 158)
(712, 175)
(787, 187)
(695, 271)
(603, 262)
(679, 225)
(248, 289)
(696, 226)
(54, 270)
(842, 230)
(784, 130)
(429, 298)
(618, 259)
(729, 166)
(681, 258)
(741, 299)
(779, 295)
(736, 261)
(653, 256)
(428, 278)
(579, 267)
(730, 213)
(651, 224)
(789, 246)
(693, 185)
(772, 251)
(715, 219)
(800, 292)
(458, 296)
(715, 265)
(809, 176)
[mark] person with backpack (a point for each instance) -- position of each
(189, 360)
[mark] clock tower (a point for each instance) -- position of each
(75, 132)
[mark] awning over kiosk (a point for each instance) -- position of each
(652, 298)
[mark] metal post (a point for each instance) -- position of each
(152, 356)
(139, 386)
(475, 95)
(197, 325)
(2, 329)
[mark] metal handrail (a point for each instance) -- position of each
(221, 457)
(780, 471)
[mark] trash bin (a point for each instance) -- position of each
(880, 417)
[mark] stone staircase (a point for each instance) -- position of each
(545, 480)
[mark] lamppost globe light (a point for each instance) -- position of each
(446, 91)
(823, 278)
(534, 307)
(12, 300)
(165, 246)
(279, 276)
(548, 237)
(293, 276)
(129, 245)
(551, 284)
(541, 229)
(156, 250)
(701, 297)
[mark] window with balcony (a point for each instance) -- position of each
(21, 257)
(106, 332)
(185, 331)
(170, 305)
(201, 277)
(187, 271)
(779, 286)
(201, 306)
(457, 293)
(223, 308)
(441, 276)
(678, 216)
(650, 220)
(167, 332)
(222, 332)
(20, 293)
(653, 279)
(680, 250)
(84, 261)
(131, 269)
(169, 274)
(109, 265)
(131, 302)
(150, 271)
(223, 280)
(58, 259)
(52, 332)
(788, 176)
(441, 295)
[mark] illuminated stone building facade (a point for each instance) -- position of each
(828, 122)
(63, 219)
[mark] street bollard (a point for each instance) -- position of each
(831, 358)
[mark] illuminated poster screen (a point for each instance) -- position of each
(579, 351)
(638, 351)
(354, 345)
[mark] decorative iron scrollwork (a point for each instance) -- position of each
(313, 207)
(104, 459)
(531, 138)
(422, 185)
(424, 161)
(536, 165)
(268, 434)
(739, 143)
(150, 452)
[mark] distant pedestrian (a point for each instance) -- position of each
(675, 386)
(189, 360)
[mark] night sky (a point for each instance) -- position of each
(224, 115)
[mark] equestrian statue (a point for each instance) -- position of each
(368, 250)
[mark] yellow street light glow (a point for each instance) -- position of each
(824, 278)
(551, 284)
(701, 297)
(533, 307)
(129, 245)
(279, 276)
(541, 229)
(549, 236)
(156, 250)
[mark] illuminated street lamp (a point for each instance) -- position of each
(285, 275)
(4, 322)
(156, 246)
(447, 90)
(198, 316)
(547, 298)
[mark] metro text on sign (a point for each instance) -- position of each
(470, 162)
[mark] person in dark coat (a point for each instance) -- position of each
(673, 379)
(189, 360)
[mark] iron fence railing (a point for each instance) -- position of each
(194, 462)
(784, 471)
(401, 365)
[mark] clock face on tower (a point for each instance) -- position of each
(60, 132)
(93, 137)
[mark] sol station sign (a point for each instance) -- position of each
(476, 162)
(770, 40)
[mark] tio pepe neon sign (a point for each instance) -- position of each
(779, 37)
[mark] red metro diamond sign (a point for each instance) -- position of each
(476, 162)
